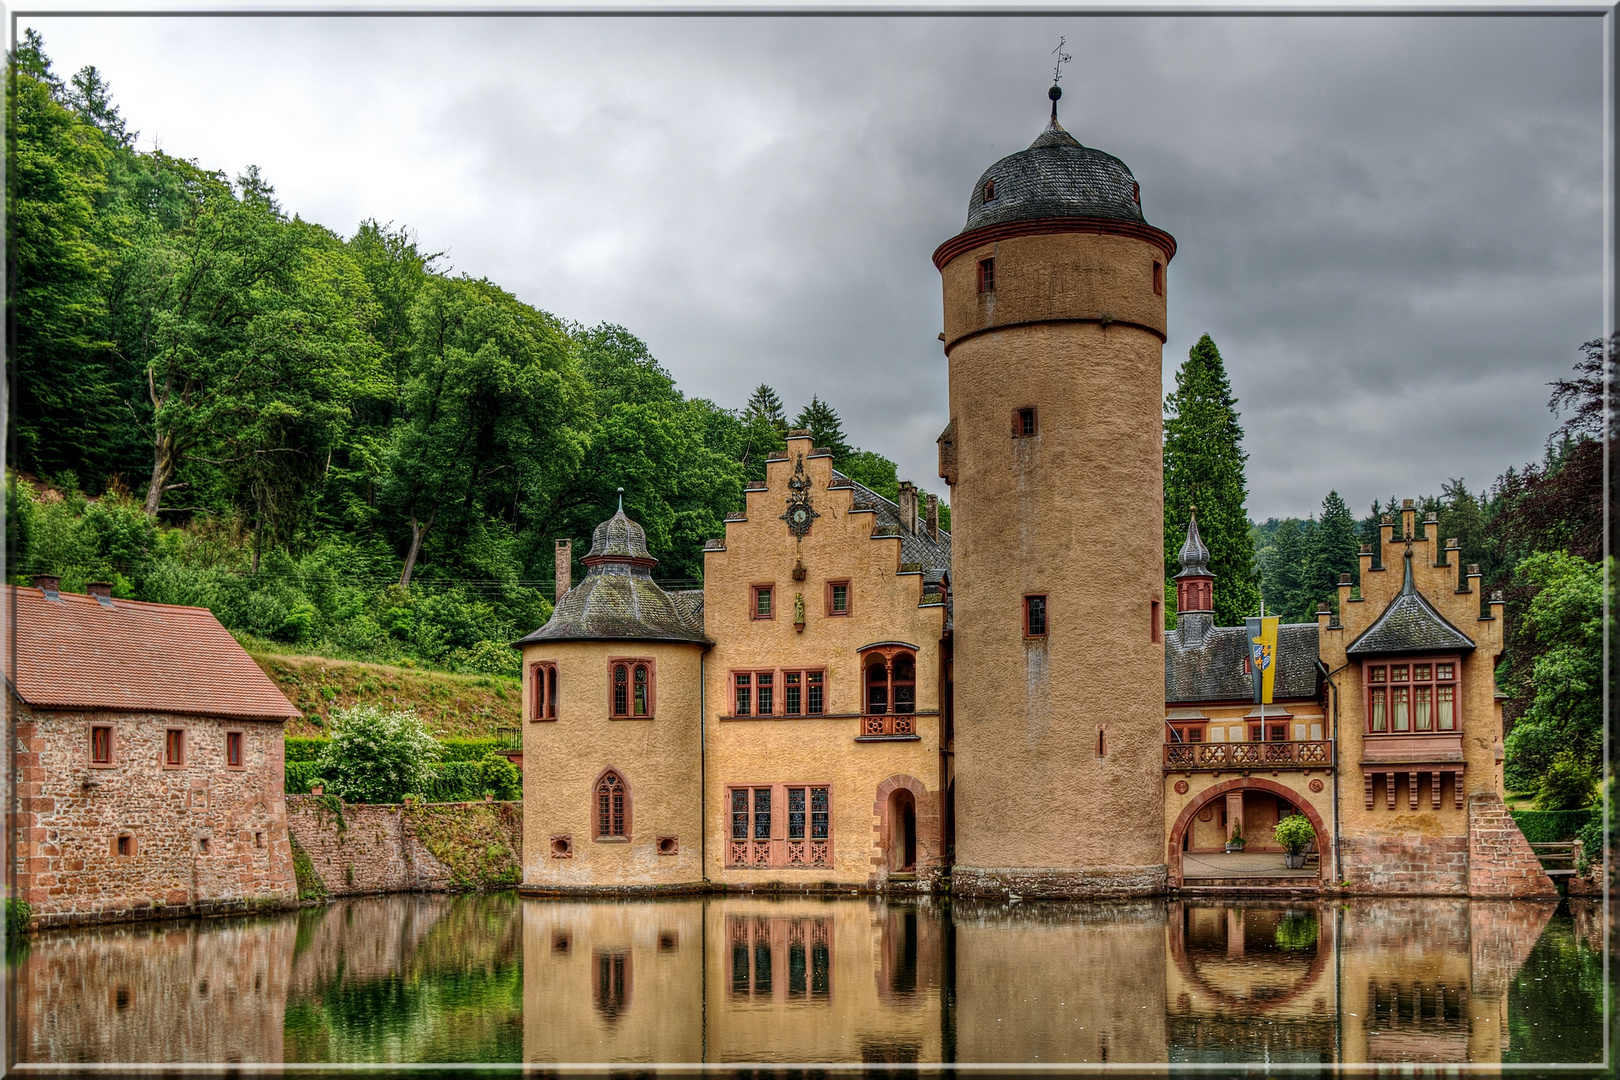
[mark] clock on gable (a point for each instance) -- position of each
(799, 511)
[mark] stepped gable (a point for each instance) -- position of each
(86, 652)
(915, 547)
(1410, 624)
(1209, 666)
(618, 599)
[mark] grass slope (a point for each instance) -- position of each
(466, 706)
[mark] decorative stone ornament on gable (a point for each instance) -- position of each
(799, 511)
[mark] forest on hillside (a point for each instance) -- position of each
(335, 443)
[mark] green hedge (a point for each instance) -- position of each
(302, 749)
(298, 776)
(451, 781)
(308, 749)
(1553, 826)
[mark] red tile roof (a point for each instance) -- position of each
(77, 654)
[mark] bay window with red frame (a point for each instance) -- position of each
(1413, 696)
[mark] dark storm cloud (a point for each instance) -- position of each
(1391, 226)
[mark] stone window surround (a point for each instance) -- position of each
(112, 761)
(1367, 687)
(241, 749)
(778, 694)
(1026, 429)
(779, 822)
(630, 663)
(890, 654)
(754, 591)
(629, 803)
(543, 697)
(849, 599)
(185, 749)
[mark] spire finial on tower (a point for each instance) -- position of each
(621, 500)
(1057, 75)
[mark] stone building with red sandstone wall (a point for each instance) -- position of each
(147, 762)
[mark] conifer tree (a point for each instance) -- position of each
(766, 405)
(825, 428)
(765, 430)
(1333, 552)
(1204, 467)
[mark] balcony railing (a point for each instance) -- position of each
(1224, 756)
(889, 724)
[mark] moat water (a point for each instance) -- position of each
(496, 978)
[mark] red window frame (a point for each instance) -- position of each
(543, 690)
(832, 598)
(1155, 622)
(1033, 603)
(611, 807)
(804, 692)
(755, 591)
(235, 750)
(1026, 422)
(1381, 677)
(102, 746)
(989, 191)
(987, 275)
(174, 748)
(635, 696)
(778, 815)
(1158, 278)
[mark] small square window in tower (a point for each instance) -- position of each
(1035, 616)
(987, 275)
(762, 608)
(1024, 424)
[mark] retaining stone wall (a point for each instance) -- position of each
(1409, 865)
(1500, 860)
(380, 849)
(1103, 881)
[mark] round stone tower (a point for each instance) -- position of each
(1054, 322)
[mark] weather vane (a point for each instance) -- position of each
(1063, 58)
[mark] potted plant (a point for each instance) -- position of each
(1293, 833)
(1235, 841)
(317, 786)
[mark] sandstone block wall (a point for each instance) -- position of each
(1413, 865)
(1500, 860)
(201, 837)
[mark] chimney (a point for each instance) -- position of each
(102, 591)
(565, 568)
(50, 585)
(933, 517)
(908, 506)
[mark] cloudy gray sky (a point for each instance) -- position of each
(1391, 226)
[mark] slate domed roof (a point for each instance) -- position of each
(619, 538)
(1409, 625)
(1056, 177)
(618, 599)
(1194, 555)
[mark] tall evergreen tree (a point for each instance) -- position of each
(764, 430)
(1204, 467)
(1334, 548)
(825, 428)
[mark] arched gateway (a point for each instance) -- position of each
(1184, 820)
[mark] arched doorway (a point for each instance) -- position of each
(902, 831)
(1213, 798)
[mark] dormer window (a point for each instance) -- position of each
(1136, 193)
(989, 190)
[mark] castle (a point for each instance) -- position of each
(856, 698)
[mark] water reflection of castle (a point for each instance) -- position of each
(799, 979)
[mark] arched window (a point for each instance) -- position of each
(641, 690)
(877, 687)
(545, 691)
(612, 807)
(551, 697)
(621, 690)
(904, 682)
